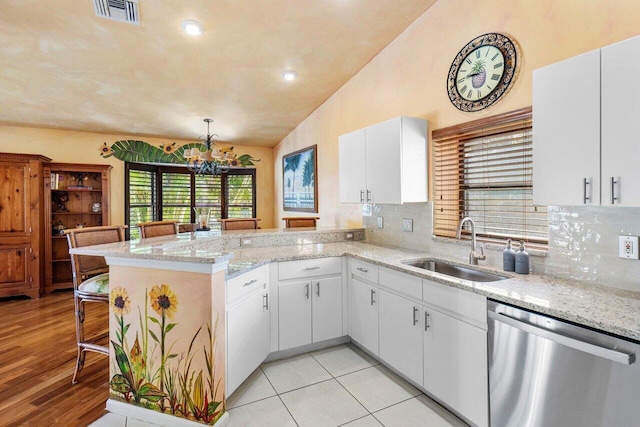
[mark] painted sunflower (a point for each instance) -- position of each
(163, 300)
(105, 150)
(168, 149)
(120, 301)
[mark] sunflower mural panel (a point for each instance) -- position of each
(166, 330)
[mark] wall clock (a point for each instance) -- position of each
(482, 72)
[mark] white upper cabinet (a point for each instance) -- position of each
(385, 163)
(620, 115)
(566, 132)
(351, 150)
(584, 114)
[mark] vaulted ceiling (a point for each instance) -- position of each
(64, 67)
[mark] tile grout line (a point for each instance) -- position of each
(278, 394)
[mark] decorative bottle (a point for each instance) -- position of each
(509, 258)
(522, 260)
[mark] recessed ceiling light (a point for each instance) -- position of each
(289, 75)
(191, 27)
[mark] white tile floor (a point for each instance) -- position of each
(338, 386)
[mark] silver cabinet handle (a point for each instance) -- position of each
(426, 320)
(364, 270)
(368, 195)
(584, 346)
(415, 318)
(265, 304)
(306, 292)
(361, 196)
(311, 268)
(373, 292)
(614, 181)
(250, 282)
(585, 195)
(318, 288)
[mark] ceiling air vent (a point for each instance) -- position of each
(118, 10)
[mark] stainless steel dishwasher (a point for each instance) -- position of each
(549, 373)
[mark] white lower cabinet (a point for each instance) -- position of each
(400, 328)
(248, 327)
(455, 365)
(309, 311)
(455, 350)
(363, 314)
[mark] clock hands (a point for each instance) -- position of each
(475, 73)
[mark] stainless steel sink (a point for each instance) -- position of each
(454, 270)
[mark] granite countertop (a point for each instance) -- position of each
(604, 308)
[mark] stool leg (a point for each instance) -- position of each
(79, 303)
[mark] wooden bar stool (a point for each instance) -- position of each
(240, 223)
(302, 221)
(90, 283)
(158, 228)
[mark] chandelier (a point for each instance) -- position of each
(210, 161)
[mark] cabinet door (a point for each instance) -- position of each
(620, 112)
(15, 200)
(351, 161)
(455, 365)
(247, 338)
(363, 314)
(566, 132)
(294, 314)
(327, 308)
(383, 165)
(401, 335)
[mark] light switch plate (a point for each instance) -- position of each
(407, 225)
(380, 222)
(628, 247)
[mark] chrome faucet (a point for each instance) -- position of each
(473, 255)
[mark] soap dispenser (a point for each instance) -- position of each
(522, 260)
(509, 258)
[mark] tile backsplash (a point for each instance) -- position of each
(583, 241)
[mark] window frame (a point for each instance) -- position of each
(451, 187)
(159, 169)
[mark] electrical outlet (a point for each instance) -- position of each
(245, 241)
(628, 247)
(380, 222)
(407, 225)
(348, 236)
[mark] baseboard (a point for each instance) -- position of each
(307, 348)
(155, 417)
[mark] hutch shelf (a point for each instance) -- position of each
(76, 195)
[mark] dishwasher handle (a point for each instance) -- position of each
(587, 347)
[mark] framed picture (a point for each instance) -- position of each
(300, 181)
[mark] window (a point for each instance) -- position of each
(483, 169)
(155, 193)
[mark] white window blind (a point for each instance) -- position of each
(483, 169)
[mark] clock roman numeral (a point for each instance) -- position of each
(479, 94)
(470, 94)
(494, 57)
(498, 65)
(468, 61)
(478, 53)
(495, 77)
(464, 89)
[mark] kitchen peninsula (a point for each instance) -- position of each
(171, 298)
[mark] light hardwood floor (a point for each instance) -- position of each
(37, 359)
